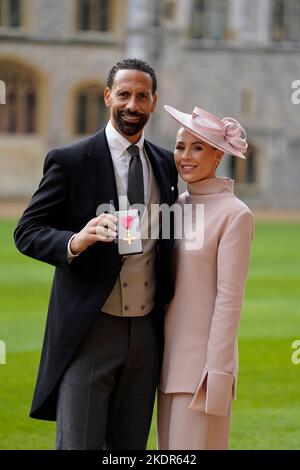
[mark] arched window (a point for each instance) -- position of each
(244, 171)
(91, 113)
(19, 114)
(94, 15)
(10, 13)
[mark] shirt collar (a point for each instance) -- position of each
(117, 143)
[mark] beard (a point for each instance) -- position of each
(130, 128)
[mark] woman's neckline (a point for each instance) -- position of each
(207, 186)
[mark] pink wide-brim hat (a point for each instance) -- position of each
(225, 134)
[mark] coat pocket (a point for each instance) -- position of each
(214, 393)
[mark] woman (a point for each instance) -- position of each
(199, 372)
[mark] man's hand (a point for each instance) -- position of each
(102, 228)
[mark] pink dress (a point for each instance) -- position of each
(202, 319)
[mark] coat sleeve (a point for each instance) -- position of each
(39, 233)
(217, 382)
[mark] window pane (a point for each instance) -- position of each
(19, 115)
(169, 10)
(101, 112)
(90, 110)
(14, 14)
(232, 167)
(217, 18)
(12, 112)
(198, 15)
(30, 112)
(1, 13)
(84, 15)
(250, 177)
(209, 19)
(278, 20)
(93, 15)
(94, 111)
(292, 20)
(81, 114)
(104, 15)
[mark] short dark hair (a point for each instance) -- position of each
(132, 64)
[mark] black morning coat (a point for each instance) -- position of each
(76, 180)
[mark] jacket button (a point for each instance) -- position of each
(125, 285)
(146, 284)
(143, 307)
(126, 307)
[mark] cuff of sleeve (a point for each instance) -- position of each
(71, 255)
(214, 392)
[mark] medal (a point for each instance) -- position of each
(127, 224)
(129, 233)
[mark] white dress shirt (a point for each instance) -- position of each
(118, 146)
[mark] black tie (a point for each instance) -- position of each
(135, 191)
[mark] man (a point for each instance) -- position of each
(102, 348)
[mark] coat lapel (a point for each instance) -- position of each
(160, 170)
(100, 171)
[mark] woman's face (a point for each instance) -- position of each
(195, 160)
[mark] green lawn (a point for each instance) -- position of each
(267, 412)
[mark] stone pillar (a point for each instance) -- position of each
(233, 19)
(264, 21)
(142, 40)
(248, 19)
(185, 12)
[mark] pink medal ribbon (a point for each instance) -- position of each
(127, 224)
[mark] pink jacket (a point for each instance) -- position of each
(200, 355)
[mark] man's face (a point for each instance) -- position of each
(131, 102)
